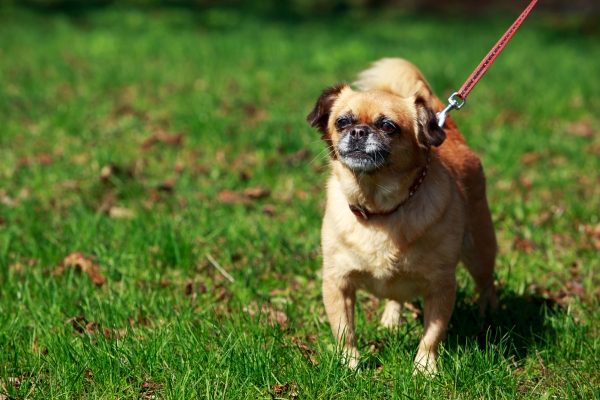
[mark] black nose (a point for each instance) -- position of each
(358, 132)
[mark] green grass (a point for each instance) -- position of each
(81, 94)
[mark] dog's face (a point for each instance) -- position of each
(372, 130)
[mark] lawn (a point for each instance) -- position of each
(161, 197)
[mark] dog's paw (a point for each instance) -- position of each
(391, 317)
(351, 357)
(425, 363)
(488, 300)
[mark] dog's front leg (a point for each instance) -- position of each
(340, 298)
(438, 306)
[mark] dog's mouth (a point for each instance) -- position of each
(363, 161)
(362, 149)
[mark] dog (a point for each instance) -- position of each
(406, 201)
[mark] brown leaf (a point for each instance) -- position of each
(256, 192)
(530, 158)
(168, 184)
(255, 114)
(289, 388)
(83, 264)
(245, 175)
(89, 375)
(523, 244)
(268, 209)
(42, 159)
(308, 353)
(594, 235)
(575, 287)
(230, 197)
(300, 155)
(249, 194)
(80, 324)
(163, 137)
(581, 128)
(574, 270)
(526, 182)
(281, 318)
(107, 202)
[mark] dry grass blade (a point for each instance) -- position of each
(219, 268)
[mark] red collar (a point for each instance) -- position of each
(364, 213)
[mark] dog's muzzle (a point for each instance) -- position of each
(361, 149)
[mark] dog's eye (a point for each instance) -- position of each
(388, 127)
(342, 123)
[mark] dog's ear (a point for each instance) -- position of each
(319, 116)
(430, 133)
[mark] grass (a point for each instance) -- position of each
(148, 141)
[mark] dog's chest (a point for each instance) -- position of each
(378, 252)
(382, 263)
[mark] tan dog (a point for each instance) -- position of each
(402, 209)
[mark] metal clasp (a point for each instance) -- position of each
(453, 104)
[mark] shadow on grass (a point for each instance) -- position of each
(521, 321)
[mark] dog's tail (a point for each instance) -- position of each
(397, 76)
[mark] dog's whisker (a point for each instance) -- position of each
(317, 156)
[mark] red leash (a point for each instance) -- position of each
(483, 66)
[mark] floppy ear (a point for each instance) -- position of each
(430, 133)
(319, 116)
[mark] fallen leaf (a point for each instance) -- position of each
(523, 244)
(526, 182)
(575, 286)
(167, 185)
(248, 194)
(594, 232)
(268, 209)
(530, 158)
(83, 264)
(308, 353)
(300, 155)
(256, 192)
(281, 318)
(162, 137)
(581, 128)
(107, 202)
(80, 324)
(42, 159)
(89, 375)
(574, 270)
(288, 388)
(230, 197)
(255, 114)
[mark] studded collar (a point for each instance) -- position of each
(364, 213)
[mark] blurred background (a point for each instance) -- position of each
(311, 7)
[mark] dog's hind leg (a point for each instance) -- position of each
(391, 315)
(478, 254)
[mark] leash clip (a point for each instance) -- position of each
(453, 104)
